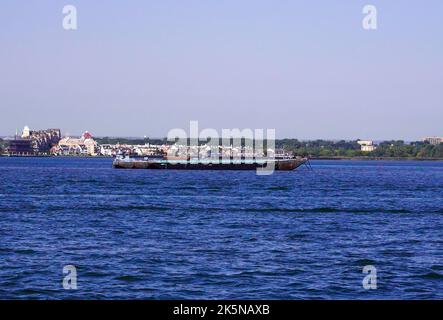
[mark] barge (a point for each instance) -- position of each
(215, 164)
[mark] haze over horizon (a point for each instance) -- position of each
(306, 68)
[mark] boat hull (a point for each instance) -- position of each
(280, 165)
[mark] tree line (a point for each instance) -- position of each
(327, 148)
(316, 148)
(345, 149)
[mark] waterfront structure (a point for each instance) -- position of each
(33, 142)
(366, 145)
(43, 140)
(145, 150)
(20, 147)
(433, 140)
(83, 146)
(107, 150)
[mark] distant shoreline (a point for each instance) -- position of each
(313, 158)
(377, 158)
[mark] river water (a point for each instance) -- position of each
(147, 234)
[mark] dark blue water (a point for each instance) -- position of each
(220, 235)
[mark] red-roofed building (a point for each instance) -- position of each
(86, 135)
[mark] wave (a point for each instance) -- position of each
(282, 188)
(432, 275)
(128, 278)
(328, 210)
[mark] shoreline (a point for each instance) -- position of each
(376, 158)
(313, 158)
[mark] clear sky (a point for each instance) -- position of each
(306, 68)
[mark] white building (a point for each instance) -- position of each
(26, 132)
(366, 145)
(433, 140)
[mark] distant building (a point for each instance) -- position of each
(33, 142)
(20, 147)
(41, 140)
(366, 145)
(108, 150)
(26, 132)
(91, 146)
(85, 146)
(433, 140)
(44, 140)
(86, 135)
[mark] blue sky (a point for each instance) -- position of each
(306, 68)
